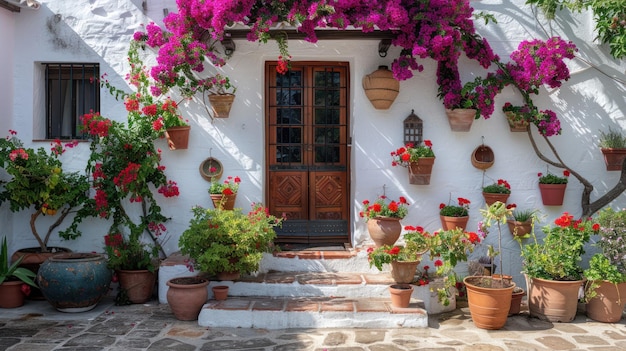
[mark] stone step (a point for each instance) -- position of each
(311, 312)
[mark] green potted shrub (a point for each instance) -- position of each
(403, 259)
(498, 191)
(13, 280)
(606, 276)
(383, 218)
(228, 242)
(552, 268)
(223, 194)
(613, 147)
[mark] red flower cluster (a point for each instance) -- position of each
(18, 153)
(96, 125)
(127, 176)
(567, 221)
(504, 183)
(170, 189)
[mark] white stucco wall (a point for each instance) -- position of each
(99, 31)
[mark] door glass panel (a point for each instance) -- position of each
(289, 137)
(327, 116)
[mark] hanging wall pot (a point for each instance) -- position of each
(483, 157)
(211, 169)
(381, 88)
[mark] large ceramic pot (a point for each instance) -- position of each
(551, 300)
(32, 258)
(608, 304)
(401, 295)
(74, 282)
(137, 284)
(461, 119)
(429, 295)
(451, 223)
(552, 194)
(613, 158)
(381, 88)
(227, 202)
(11, 295)
(419, 172)
(186, 296)
(489, 306)
(403, 272)
(491, 198)
(384, 230)
(178, 137)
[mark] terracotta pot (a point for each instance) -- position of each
(220, 292)
(516, 302)
(450, 223)
(381, 88)
(11, 295)
(551, 300)
(384, 230)
(403, 272)
(186, 296)
(227, 202)
(488, 306)
(178, 137)
(608, 304)
(483, 157)
(491, 198)
(221, 104)
(461, 119)
(516, 123)
(401, 295)
(419, 172)
(429, 295)
(74, 282)
(138, 284)
(552, 194)
(613, 158)
(518, 228)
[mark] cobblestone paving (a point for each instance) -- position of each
(153, 327)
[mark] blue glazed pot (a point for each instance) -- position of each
(74, 282)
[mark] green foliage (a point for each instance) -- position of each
(612, 236)
(228, 240)
(411, 251)
(600, 268)
(131, 253)
(496, 189)
(9, 271)
(558, 257)
(613, 139)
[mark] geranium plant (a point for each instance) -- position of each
(501, 186)
(412, 153)
(460, 210)
(553, 178)
(384, 207)
(386, 254)
(229, 186)
(37, 182)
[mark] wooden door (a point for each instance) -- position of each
(307, 151)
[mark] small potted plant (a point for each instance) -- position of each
(453, 216)
(227, 243)
(383, 219)
(419, 160)
(15, 281)
(517, 116)
(403, 259)
(552, 268)
(552, 188)
(613, 147)
(223, 194)
(606, 275)
(498, 191)
(221, 94)
(521, 221)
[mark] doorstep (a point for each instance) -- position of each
(311, 312)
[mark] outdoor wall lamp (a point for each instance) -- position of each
(229, 46)
(383, 47)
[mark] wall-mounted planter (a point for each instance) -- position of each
(420, 171)
(381, 88)
(613, 158)
(461, 119)
(221, 104)
(178, 137)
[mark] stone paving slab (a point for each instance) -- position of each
(152, 327)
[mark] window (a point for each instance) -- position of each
(71, 91)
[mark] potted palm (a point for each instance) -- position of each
(552, 268)
(498, 191)
(383, 219)
(605, 289)
(14, 280)
(418, 159)
(453, 216)
(613, 147)
(552, 188)
(223, 194)
(403, 259)
(489, 298)
(227, 243)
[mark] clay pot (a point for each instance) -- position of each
(11, 295)
(491, 198)
(518, 228)
(608, 304)
(451, 223)
(384, 230)
(227, 202)
(138, 284)
(221, 104)
(220, 292)
(401, 295)
(419, 172)
(552, 194)
(461, 119)
(551, 300)
(186, 296)
(381, 88)
(489, 306)
(178, 137)
(613, 158)
(403, 272)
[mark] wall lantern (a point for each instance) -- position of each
(229, 46)
(413, 129)
(383, 47)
